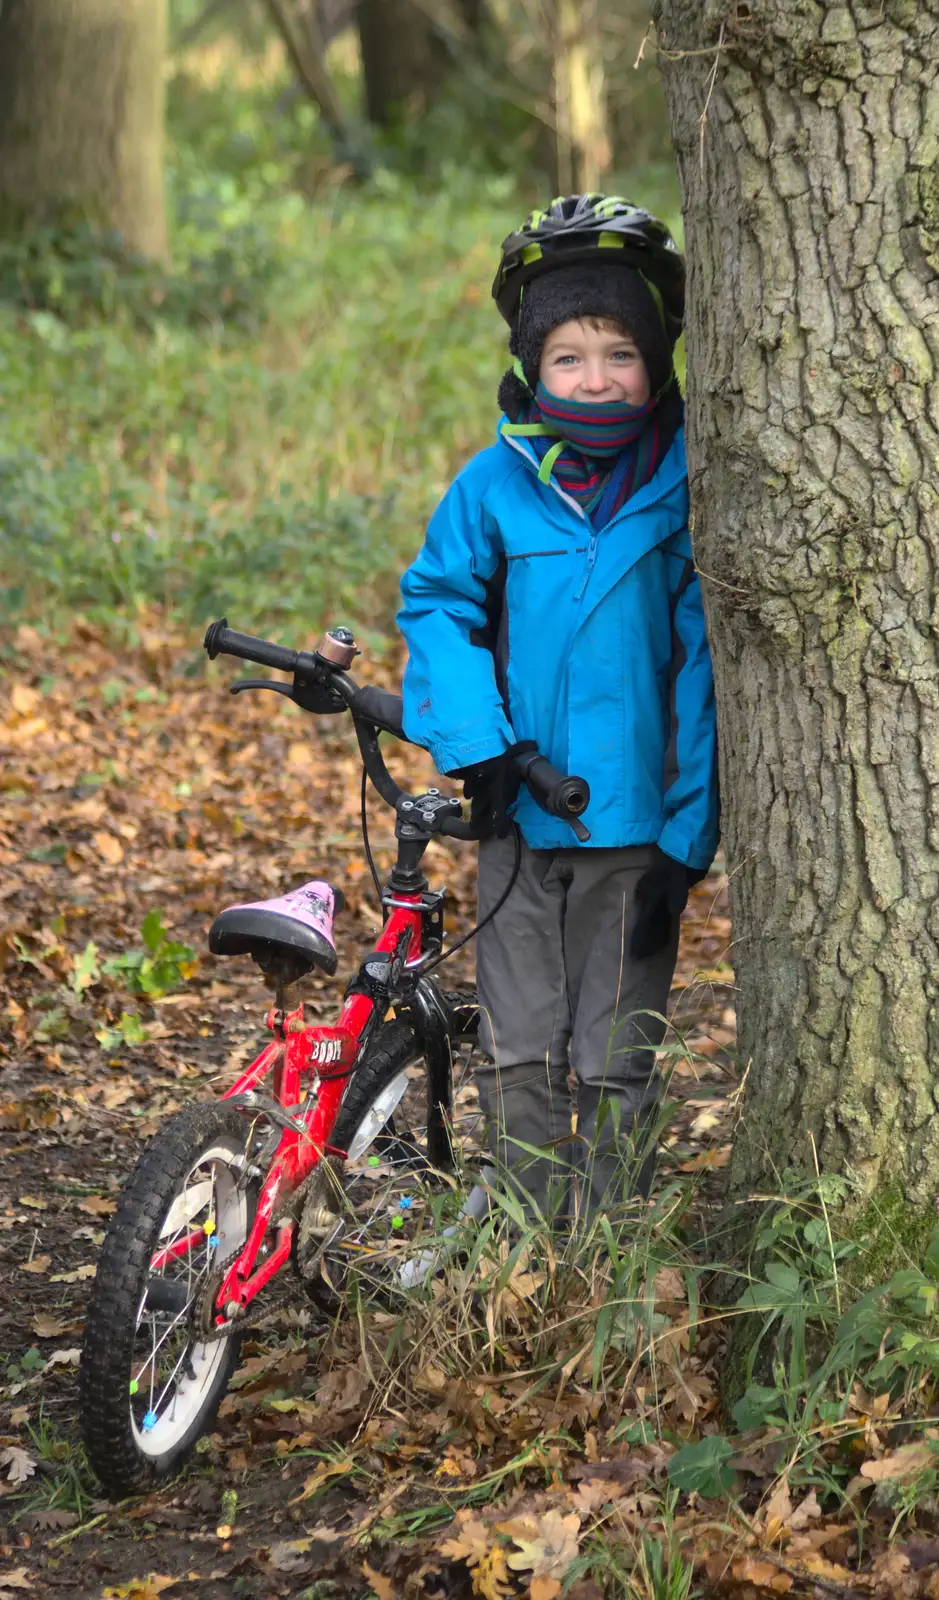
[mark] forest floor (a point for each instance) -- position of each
(131, 784)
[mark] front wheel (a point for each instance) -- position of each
(151, 1376)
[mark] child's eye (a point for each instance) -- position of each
(560, 360)
(623, 355)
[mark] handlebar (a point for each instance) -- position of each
(321, 684)
(221, 640)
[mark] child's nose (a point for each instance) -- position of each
(595, 376)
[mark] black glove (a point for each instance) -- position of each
(492, 787)
(661, 895)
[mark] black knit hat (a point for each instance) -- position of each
(615, 292)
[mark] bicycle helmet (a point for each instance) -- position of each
(593, 228)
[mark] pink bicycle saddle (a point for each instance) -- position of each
(300, 922)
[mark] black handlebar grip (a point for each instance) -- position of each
(221, 640)
(562, 796)
(381, 707)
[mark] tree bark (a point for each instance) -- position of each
(403, 59)
(811, 201)
(583, 146)
(81, 115)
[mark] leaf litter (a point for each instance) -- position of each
(391, 1450)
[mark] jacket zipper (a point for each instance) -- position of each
(594, 534)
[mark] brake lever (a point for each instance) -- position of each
(262, 683)
(307, 693)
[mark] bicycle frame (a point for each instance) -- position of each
(315, 1064)
(299, 1051)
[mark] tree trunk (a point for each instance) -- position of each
(403, 58)
(583, 147)
(811, 200)
(81, 115)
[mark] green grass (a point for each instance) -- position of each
(266, 430)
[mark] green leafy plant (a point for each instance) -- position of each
(160, 966)
(128, 1030)
(702, 1466)
(85, 969)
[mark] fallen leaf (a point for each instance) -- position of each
(707, 1158)
(24, 699)
(594, 1493)
(889, 1570)
(98, 1205)
(315, 1481)
(290, 1555)
(324, 1534)
(669, 1284)
(764, 1574)
(63, 1358)
(51, 1517)
(34, 1203)
(808, 1510)
(38, 1264)
(19, 1579)
(18, 1416)
(110, 849)
(19, 1463)
(901, 1464)
(47, 1327)
(87, 1271)
(300, 755)
(491, 1575)
(547, 1544)
(777, 1512)
(472, 1541)
(383, 1587)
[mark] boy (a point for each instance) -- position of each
(555, 600)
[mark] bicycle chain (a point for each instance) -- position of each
(206, 1306)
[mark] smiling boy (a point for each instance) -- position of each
(555, 600)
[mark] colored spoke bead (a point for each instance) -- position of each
(149, 1421)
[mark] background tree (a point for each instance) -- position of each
(807, 139)
(81, 115)
(583, 145)
(403, 58)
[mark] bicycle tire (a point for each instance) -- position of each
(127, 1452)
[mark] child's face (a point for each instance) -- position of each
(593, 362)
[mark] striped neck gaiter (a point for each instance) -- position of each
(601, 453)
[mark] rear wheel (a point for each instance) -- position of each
(387, 1197)
(151, 1375)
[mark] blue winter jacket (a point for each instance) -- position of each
(522, 621)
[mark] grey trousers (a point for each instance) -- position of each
(558, 992)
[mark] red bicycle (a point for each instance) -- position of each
(324, 1146)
